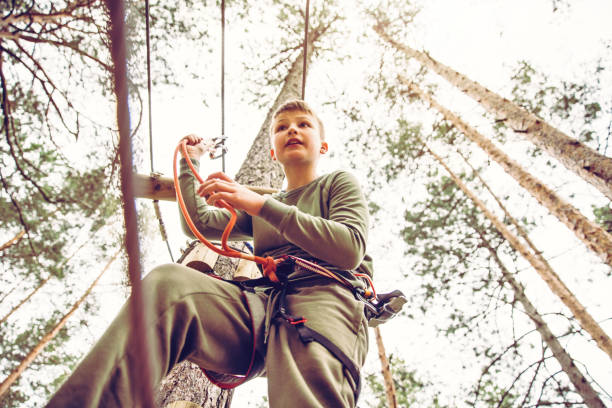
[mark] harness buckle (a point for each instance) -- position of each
(387, 306)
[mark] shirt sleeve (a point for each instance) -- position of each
(339, 239)
(210, 221)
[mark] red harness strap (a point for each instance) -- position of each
(228, 381)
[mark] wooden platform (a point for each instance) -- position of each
(162, 188)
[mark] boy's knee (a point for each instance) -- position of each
(164, 280)
(158, 275)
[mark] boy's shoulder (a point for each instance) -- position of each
(325, 184)
(342, 176)
(339, 175)
(340, 181)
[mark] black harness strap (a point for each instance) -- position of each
(308, 335)
(377, 312)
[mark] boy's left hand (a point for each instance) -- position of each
(219, 188)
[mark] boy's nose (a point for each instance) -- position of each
(292, 130)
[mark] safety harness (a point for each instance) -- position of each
(378, 308)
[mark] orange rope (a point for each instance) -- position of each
(269, 263)
(368, 293)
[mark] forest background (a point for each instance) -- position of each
(463, 339)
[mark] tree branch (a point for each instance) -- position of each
(40, 18)
(13, 240)
(21, 219)
(73, 45)
(6, 116)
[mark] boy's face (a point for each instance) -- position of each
(296, 138)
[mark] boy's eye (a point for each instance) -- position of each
(281, 127)
(305, 124)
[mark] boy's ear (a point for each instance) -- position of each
(272, 154)
(324, 147)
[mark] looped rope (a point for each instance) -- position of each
(269, 269)
(269, 263)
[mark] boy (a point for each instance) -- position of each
(207, 321)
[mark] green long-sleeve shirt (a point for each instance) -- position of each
(325, 220)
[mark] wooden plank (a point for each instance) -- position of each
(201, 258)
(183, 404)
(162, 188)
(246, 270)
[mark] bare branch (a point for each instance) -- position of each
(40, 18)
(6, 116)
(73, 45)
(43, 83)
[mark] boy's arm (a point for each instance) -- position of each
(210, 221)
(341, 238)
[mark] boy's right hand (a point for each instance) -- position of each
(196, 146)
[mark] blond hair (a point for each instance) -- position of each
(298, 105)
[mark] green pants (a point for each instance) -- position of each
(205, 320)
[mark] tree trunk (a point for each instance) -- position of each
(520, 230)
(12, 241)
(8, 381)
(186, 382)
(549, 276)
(592, 166)
(582, 386)
(596, 238)
(257, 169)
(24, 300)
(386, 370)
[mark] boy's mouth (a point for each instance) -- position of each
(293, 142)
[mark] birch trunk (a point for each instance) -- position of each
(592, 166)
(14, 375)
(582, 386)
(553, 281)
(186, 382)
(596, 238)
(386, 370)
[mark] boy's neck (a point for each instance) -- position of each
(299, 176)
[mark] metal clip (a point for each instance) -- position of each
(387, 307)
(217, 143)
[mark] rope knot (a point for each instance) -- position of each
(269, 269)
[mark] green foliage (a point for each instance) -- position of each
(603, 216)
(16, 343)
(404, 147)
(410, 389)
(579, 106)
(284, 24)
(440, 234)
(449, 246)
(492, 395)
(13, 397)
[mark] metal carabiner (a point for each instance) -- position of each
(217, 143)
